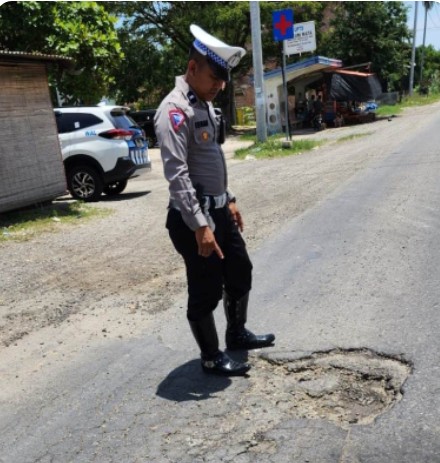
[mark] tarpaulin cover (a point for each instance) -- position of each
(345, 86)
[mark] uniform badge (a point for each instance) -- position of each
(177, 118)
(205, 136)
(191, 97)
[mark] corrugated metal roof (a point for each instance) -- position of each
(26, 56)
(309, 65)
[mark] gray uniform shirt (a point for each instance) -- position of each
(193, 161)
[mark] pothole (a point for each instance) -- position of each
(343, 386)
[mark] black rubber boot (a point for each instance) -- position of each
(214, 361)
(237, 336)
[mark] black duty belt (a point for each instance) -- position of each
(209, 202)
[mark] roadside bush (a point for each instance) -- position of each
(434, 86)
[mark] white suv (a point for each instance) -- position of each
(102, 148)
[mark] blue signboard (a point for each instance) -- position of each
(282, 23)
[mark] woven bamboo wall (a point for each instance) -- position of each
(31, 167)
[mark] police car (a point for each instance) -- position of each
(102, 148)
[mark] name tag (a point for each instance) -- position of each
(201, 124)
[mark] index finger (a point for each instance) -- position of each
(240, 225)
(218, 251)
(239, 221)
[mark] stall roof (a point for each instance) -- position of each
(307, 66)
(6, 55)
(345, 85)
(353, 73)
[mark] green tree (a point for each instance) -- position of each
(376, 32)
(159, 32)
(147, 72)
(431, 67)
(83, 31)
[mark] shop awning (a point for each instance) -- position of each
(347, 85)
(301, 69)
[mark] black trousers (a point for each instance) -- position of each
(208, 276)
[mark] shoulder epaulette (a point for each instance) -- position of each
(191, 97)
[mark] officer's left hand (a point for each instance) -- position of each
(236, 216)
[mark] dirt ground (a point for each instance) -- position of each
(109, 277)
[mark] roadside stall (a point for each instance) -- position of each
(351, 97)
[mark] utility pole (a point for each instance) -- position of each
(413, 54)
(423, 47)
(427, 6)
(257, 57)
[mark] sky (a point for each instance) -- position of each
(432, 25)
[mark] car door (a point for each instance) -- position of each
(65, 128)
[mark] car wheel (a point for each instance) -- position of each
(84, 183)
(115, 188)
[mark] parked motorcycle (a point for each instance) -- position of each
(317, 122)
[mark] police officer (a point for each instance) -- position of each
(203, 220)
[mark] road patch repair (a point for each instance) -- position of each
(345, 387)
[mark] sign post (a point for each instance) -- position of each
(282, 22)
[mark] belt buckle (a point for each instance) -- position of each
(216, 202)
(220, 201)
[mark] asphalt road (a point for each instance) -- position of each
(362, 270)
(357, 272)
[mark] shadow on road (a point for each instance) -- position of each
(124, 196)
(105, 198)
(189, 382)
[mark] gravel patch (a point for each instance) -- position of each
(121, 270)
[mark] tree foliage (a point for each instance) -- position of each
(160, 31)
(371, 32)
(360, 32)
(84, 31)
(431, 68)
(133, 50)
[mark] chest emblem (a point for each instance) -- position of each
(205, 136)
(177, 118)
